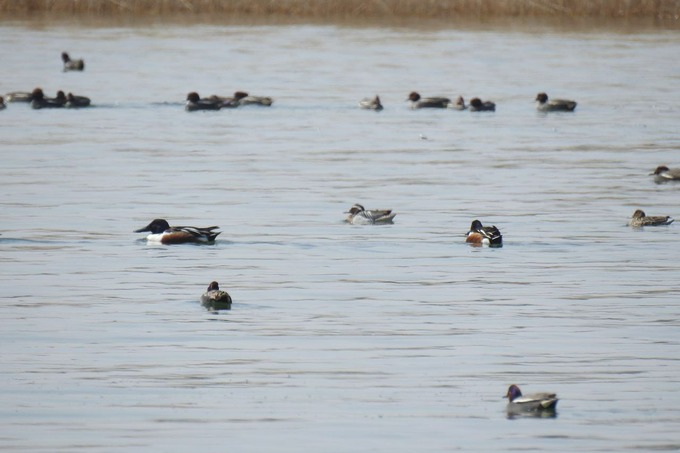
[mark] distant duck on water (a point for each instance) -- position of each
(533, 404)
(216, 299)
(72, 65)
(639, 219)
(553, 105)
(371, 103)
(484, 235)
(360, 216)
(161, 232)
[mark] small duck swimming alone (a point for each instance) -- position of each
(72, 65)
(476, 105)
(481, 235)
(371, 103)
(360, 216)
(535, 403)
(73, 101)
(215, 299)
(665, 174)
(553, 105)
(427, 103)
(195, 103)
(163, 233)
(640, 219)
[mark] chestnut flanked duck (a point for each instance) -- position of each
(72, 65)
(477, 105)
(543, 104)
(39, 101)
(536, 403)
(195, 103)
(484, 235)
(371, 103)
(418, 102)
(639, 219)
(163, 233)
(665, 174)
(216, 299)
(360, 216)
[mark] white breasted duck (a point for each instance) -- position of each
(536, 403)
(360, 216)
(72, 65)
(19, 96)
(553, 105)
(371, 103)
(477, 105)
(216, 299)
(418, 102)
(665, 174)
(163, 233)
(639, 219)
(484, 235)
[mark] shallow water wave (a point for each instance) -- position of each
(340, 337)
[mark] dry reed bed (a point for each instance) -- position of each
(319, 9)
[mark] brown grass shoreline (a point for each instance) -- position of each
(658, 10)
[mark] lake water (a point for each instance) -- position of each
(397, 338)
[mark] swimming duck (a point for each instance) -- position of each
(2, 103)
(554, 105)
(482, 235)
(664, 174)
(162, 232)
(371, 103)
(264, 101)
(476, 105)
(459, 104)
(72, 65)
(39, 101)
(215, 299)
(427, 103)
(194, 103)
(640, 219)
(19, 96)
(73, 101)
(228, 101)
(534, 403)
(360, 216)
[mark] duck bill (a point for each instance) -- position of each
(142, 230)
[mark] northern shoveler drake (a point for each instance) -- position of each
(482, 235)
(371, 103)
(459, 104)
(664, 174)
(264, 101)
(39, 101)
(427, 103)
(73, 101)
(476, 105)
(215, 299)
(360, 216)
(640, 219)
(194, 103)
(19, 96)
(72, 65)
(535, 403)
(2, 103)
(162, 232)
(553, 105)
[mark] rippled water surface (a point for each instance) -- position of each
(342, 338)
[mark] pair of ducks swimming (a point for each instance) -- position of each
(38, 100)
(476, 104)
(214, 102)
(478, 234)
